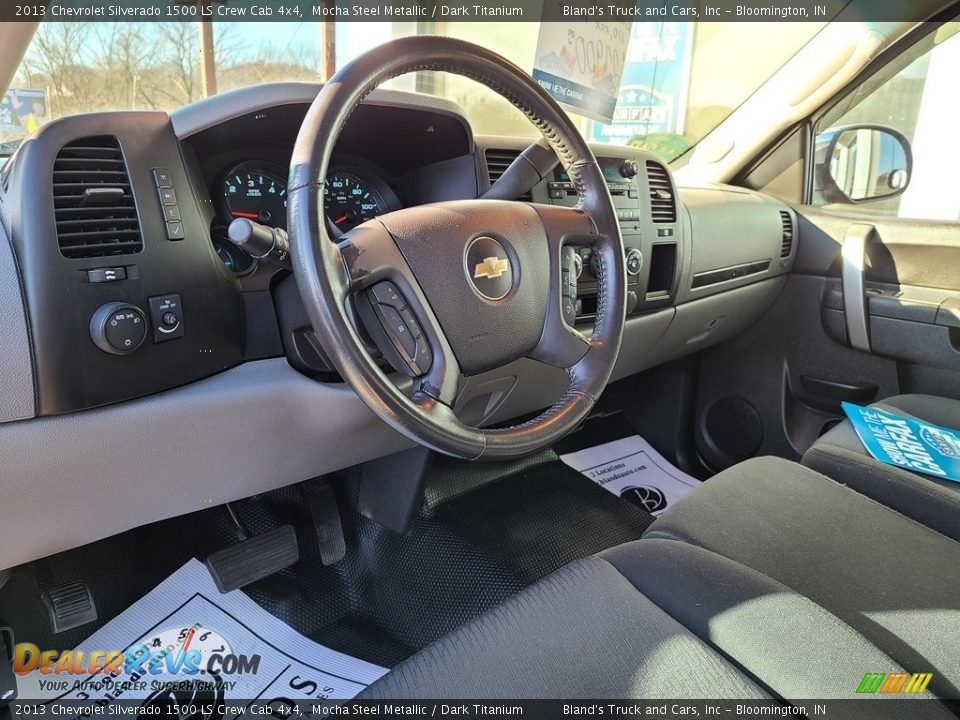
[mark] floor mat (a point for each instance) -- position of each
(185, 622)
(484, 532)
(631, 469)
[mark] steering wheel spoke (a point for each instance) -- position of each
(561, 344)
(395, 312)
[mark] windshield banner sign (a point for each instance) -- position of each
(653, 88)
(580, 63)
(906, 442)
(23, 110)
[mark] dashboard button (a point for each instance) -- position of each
(171, 213)
(166, 316)
(174, 231)
(102, 275)
(162, 178)
(167, 196)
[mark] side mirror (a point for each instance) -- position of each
(860, 164)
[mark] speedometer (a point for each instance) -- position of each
(257, 193)
(351, 200)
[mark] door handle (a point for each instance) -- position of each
(854, 254)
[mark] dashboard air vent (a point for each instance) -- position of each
(787, 246)
(498, 160)
(92, 200)
(663, 206)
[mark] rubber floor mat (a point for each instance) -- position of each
(484, 532)
(185, 630)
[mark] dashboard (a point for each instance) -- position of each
(149, 275)
(168, 370)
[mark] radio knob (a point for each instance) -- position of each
(118, 328)
(629, 169)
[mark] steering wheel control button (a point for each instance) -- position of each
(118, 328)
(105, 275)
(634, 261)
(569, 272)
(401, 328)
(488, 268)
(386, 293)
(166, 318)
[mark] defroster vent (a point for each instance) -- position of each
(93, 201)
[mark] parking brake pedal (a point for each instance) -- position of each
(68, 605)
(253, 559)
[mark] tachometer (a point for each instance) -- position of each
(256, 193)
(351, 200)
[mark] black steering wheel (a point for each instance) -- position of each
(456, 288)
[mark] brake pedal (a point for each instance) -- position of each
(253, 559)
(68, 605)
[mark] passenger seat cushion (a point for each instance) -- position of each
(841, 455)
(787, 642)
(583, 632)
(887, 576)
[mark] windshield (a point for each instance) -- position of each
(679, 80)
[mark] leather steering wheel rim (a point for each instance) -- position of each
(329, 273)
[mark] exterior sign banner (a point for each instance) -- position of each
(653, 88)
(906, 442)
(579, 63)
(23, 110)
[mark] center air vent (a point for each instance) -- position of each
(497, 163)
(92, 200)
(663, 207)
(787, 245)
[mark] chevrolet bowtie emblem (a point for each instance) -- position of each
(491, 267)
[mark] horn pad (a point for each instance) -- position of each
(487, 282)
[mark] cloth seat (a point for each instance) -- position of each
(722, 597)
(841, 455)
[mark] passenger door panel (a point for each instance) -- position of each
(800, 360)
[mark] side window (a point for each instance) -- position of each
(891, 147)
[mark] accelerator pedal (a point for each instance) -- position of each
(253, 559)
(322, 504)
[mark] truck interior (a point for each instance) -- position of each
(336, 337)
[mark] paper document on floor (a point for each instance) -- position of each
(633, 470)
(186, 642)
